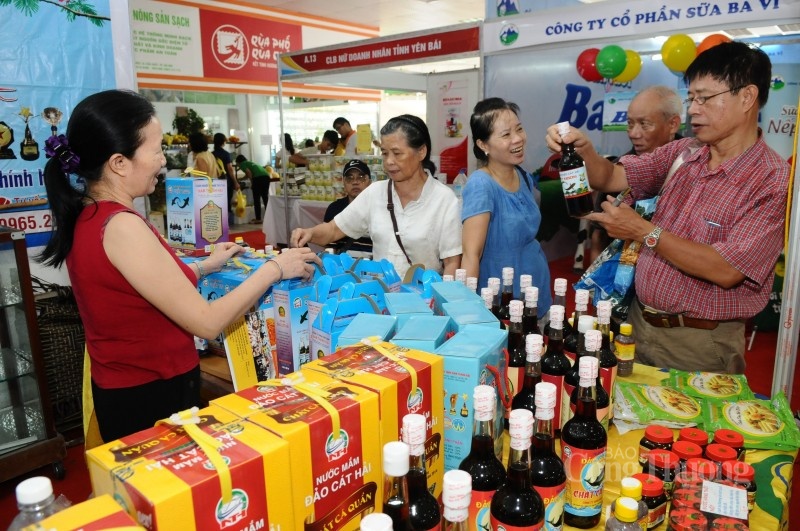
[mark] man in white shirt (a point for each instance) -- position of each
(347, 137)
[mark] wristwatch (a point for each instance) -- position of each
(651, 240)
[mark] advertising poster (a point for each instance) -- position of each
(54, 57)
(451, 97)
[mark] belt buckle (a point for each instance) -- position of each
(663, 318)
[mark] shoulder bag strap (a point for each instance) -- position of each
(684, 154)
(390, 208)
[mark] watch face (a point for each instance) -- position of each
(650, 240)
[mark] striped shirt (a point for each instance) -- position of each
(738, 208)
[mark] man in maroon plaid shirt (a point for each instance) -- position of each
(708, 257)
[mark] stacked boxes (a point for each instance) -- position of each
(333, 319)
(423, 332)
(469, 313)
(404, 305)
(367, 325)
(290, 300)
(451, 292)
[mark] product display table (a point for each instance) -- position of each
(302, 213)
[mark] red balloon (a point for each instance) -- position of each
(586, 65)
(711, 41)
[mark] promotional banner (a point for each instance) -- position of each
(54, 57)
(451, 97)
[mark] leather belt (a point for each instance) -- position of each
(675, 320)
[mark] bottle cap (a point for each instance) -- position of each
(738, 471)
(729, 438)
(557, 315)
(508, 276)
(560, 286)
(515, 309)
(720, 452)
(34, 490)
(687, 450)
(695, 435)
(662, 458)
(658, 434)
(545, 396)
(531, 295)
(485, 399)
(534, 344)
(520, 424)
(593, 340)
(414, 433)
(626, 329)
(488, 296)
(494, 283)
(582, 298)
(456, 489)
(587, 367)
(395, 458)
(651, 485)
(563, 128)
(461, 275)
(525, 281)
(626, 509)
(472, 283)
(585, 323)
(376, 522)
(631, 487)
(447, 278)
(604, 311)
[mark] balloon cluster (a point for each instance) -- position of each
(621, 66)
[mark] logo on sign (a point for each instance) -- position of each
(336, 448)
(509, 34)
(230, 47)
(777, 82)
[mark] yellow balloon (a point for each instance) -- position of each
(678, 52)
(632, 67)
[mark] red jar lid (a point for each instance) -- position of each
(687, 450)
(720, 452)
(658, 434)
(651, 485)
(728, 524)
(663, 458)
(730, 438)
(738, 471)
(701, 467)
(694, 435)
(686, 519)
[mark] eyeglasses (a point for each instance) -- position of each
(701, 100)
(356, 178)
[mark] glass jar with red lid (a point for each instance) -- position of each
(744, 476)
(725, 523)
(653, 495)
(697, 469)
(655, 438)
(695, 435)
(731, 438)
(663, 464)
(719, 453)
(686, 450)
(686, 519)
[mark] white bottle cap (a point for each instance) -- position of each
(34, 490)
(525, 281)
(472, 283)
(585, 323)
(531, 295)
(488, 296)
(593, 340)
(485, 399)
(268, 249)
(395, 458)
(534, 344)
(604, 311)
(461, 275)
(456, 489)
(545, 396)
(447, 278)
(563, 128)
(494, 283)
(582, 299)
(414, 433)
(515, 310)
(560, 286)
(587, 369)
(520, 424)
(376, 522)
(508, 276)
(455, 515)
(557, 315)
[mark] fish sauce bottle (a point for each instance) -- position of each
(423, 508)
(559, 298)
(606, 356)
(487, 472)
(581, 309)
(506, 295)
(554, 363)
(547, 469)
(516, 505)
(583, 451)
(456, 497)
(530, 314)
(516, 353)
(494, 283)
(574, 181)
(603, 404)
(526, 397)
(395, 484)
(584, 324)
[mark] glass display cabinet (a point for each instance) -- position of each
(28, 438)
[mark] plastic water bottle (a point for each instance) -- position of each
(459, 182)
(36, 502)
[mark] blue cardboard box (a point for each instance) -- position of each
(423, 332)
(367, 325)
(469, 313)
(451, 292)
(404, 305)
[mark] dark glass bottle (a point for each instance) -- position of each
(516, 353)
(488, 297)
(487, 472)
(456, 498)
(423, 509)
(494, 283)
(592, 341)
(584, 324)
(560, 298)
(395, 484)
(530, 315)
(554, 363)
(583, 451)
(524, 282)
(516, 503)
(606, 355)
(574, 182)
(526, 397)
(547, 469)
(506, 295)
(581, 308)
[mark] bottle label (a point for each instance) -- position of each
(625, 351)
(656, 516)
(643, 453)
(558, 381)
(574, 182)
(480, 510)
(585, 471)
(497, 525)
(553, 499)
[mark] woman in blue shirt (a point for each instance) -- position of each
(499, 214)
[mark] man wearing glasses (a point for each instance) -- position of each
(709, 253)
(355, 177)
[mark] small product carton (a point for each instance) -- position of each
(421, 281)
(374, 289)
(464, 313)
(335, 457)
(376, 269)
(367, 325)
(95, 514)
(406, 380)
(451, 292)
(474, 356)
(327, 287)
(290, 299)
(197, 214)
(404, 305)
(423, 332)
(333, 319)
(219, 472)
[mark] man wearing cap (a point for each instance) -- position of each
(356, 177)
(347, 137)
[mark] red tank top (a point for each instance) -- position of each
(130, 342)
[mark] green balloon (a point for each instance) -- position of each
(611, 61)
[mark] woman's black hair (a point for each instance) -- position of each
(198, 142)
(288, 144)
(482, 121)
(416, 133)
(219, 140)
(101, 125)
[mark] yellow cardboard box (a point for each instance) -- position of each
(96, 514)
(166, 481)
(335, 456)
(384, 369)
